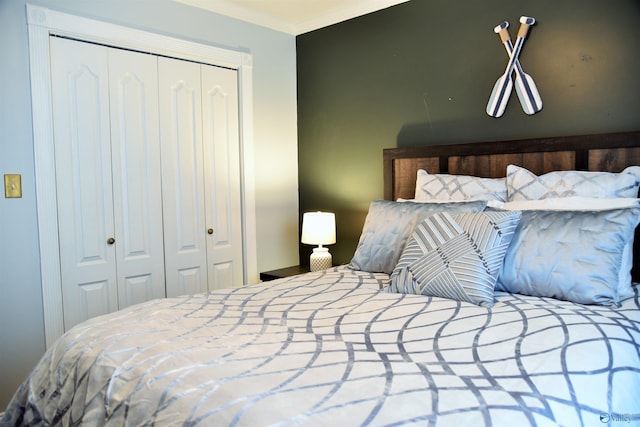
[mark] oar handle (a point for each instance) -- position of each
(525, 23)
(502, 31)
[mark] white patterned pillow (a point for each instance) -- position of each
(456, 256)
(522, 184)
(434, 187)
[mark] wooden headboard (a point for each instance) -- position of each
(604, 152)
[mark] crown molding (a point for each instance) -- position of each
(283, 22)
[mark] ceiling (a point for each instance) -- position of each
(292, 16)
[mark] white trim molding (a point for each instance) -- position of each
(293, 17)
(43, 23)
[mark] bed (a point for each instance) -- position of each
(417, 329)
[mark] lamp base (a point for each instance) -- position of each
(320, 259)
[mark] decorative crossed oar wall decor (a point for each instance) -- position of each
(526, 88)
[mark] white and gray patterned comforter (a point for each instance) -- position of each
(329, 348)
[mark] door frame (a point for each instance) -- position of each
(42, 23)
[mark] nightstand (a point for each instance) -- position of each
(283, 272)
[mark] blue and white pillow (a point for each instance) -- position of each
(445, 187)
(456, 256)
(522, 184)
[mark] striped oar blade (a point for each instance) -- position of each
(502, 88)
(527, 92)
(500, 96)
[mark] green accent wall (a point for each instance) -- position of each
(420, 73)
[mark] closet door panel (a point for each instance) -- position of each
(182, 176)
(135, 148)
(222, 176)
(80, 98)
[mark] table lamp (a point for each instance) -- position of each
(319, 228)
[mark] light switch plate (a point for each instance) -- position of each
(12, 185)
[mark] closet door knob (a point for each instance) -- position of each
(111, 240)
(210, 230)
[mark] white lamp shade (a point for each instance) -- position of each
(319, 228)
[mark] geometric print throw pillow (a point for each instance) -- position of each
(456, 256)
(444, 187)
(523, 184)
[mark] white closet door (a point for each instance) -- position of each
(135, 154)
(80, 97)
(222, 176)
(182, 177)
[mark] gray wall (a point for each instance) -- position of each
(420, 73)
(275, 144)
